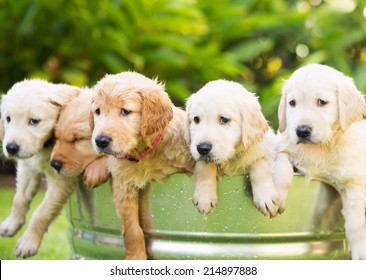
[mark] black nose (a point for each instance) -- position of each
(303, 131)
(102, 141)
(56, 164)
(204, 148)
(12, 148)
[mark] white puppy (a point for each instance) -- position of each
(28, 115)
(229, 135)
(320, 116)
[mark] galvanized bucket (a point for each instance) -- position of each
(310, 228)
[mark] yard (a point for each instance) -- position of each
(55, 243)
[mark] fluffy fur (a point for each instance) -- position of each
(29, 113)
(73, 153)
(320, 116)
(229, 135)
(129, 111)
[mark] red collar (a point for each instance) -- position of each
(144, 154)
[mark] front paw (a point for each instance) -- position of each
(357, 245)
(205, 202)
(10, 227)
(96, 173)
(282, 200)
(268, 202)
(28, 245)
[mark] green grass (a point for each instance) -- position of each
(55, 244)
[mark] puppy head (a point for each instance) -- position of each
(127, 109)
(29, 113)
(73, 150)
(316, 101)
(223, 118)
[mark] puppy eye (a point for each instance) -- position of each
(196, 120)
(8, 119)
(292, 103)
(125, 112)
(34, 122)
(97, 111)
(224, 120)
(322, 103)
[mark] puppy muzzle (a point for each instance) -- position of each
(204, 150)
(57, 165)
(303, 133)
(103, 143)
(12, 149)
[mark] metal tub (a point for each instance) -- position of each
(310, 228)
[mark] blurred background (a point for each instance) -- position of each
(185, 43)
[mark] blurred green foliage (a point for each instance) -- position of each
(184, 42)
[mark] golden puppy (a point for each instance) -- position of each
(320, 116)
(29, 113)
(73, 153)
(229, 135)
(138, 126)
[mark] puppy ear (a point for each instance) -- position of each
(254, 124)
(157, 111)
(91, 120)
(282, 112)
(351, 103)
(185, 129)
(186, 124)
(63, 94)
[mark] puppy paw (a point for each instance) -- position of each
(282, 177)
(282, 200)
(357, 246)
(205, 202)
(268, 201)
(96, 173)
(28, 245)
(10, 227)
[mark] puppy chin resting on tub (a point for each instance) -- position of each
(229, 135)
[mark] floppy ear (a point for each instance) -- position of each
(91, 120)
(282, 112)
(254, 124)
(63, 94)
(185, 129)
(351, 103)
(157, 111)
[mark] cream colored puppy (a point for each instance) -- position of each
(320, 116)
(229, 135)
(29, 113)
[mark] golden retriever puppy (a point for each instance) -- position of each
(320, 116)
(136, 124)
(29, 113)
(73, 153)
(229, 135)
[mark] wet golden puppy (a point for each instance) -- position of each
(229, 135)
(320, 116)
(136, 124)
(29, 113)
(73, 153)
